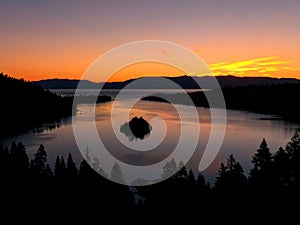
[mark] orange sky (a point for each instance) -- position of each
(42, 40)
(74, 66)
(145, 69)
(267, 66)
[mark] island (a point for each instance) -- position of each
(136, 128)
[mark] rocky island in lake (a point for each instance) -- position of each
(136, 128)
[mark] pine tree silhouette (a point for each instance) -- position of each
(116, 174)
(169, 169)
(191, 178)
(293, 151)
(262, 175)
(39, 162)
(96, 166)
(49, 171)
(4, 162)
(231, 177)
(86, 171)
(63, 167)
(19, 161)
(60, 167)
(182, 171)
(201, 183)
(71, 170)
(282, 168)
(57, 171)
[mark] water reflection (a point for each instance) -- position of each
(243, 135)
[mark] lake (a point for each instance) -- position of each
(244, 132)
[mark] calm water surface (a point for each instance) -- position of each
(243, 134)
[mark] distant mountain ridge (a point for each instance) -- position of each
(186, 82)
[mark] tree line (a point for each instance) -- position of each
(26, 105)
(277, 173)
(272, 99)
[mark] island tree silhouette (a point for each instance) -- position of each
(136, 128)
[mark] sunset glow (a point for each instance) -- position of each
(146, 69)
(268, 66)
(52, 39)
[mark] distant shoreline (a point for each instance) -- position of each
(184, 82)
(279, 101)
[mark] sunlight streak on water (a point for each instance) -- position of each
(243, 134)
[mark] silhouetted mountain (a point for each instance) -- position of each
(232, 81)
(66, 84)
(185, 82)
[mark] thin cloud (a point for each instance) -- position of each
(259, 66)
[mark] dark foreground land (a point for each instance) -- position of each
(25, 105)
(31, 186)
(272, 186)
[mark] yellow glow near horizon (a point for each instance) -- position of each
(267, 66)
(58, 39)
(263, 66)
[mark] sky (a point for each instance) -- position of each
(59, 39)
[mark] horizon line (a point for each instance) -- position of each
(153, 76)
